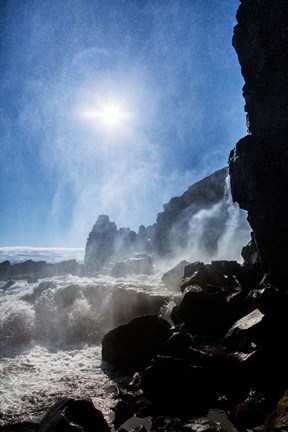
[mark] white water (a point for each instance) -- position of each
(50, 340)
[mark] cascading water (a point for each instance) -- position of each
(234, 236)
(50, 339)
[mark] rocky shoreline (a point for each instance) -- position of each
(226, 350)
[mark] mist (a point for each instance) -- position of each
(168, 66)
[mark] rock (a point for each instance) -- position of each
(245, 331)
(258, 163)
(173, 278)
(20, 427)
(208, 311)
(202, 424)
(176, 388)
(71, 415)
(5, 267)
(253, 411)
(219, 273)
(132, 346)
(137, 264)
(281, 425)
(8, 284)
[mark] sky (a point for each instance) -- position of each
(110, 107)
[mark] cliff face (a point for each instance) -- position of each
(191, 224)
(258, 164)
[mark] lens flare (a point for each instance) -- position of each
(111, 116)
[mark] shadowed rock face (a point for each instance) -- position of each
(258, 164)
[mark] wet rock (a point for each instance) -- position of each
(209, 310)
(5, 267)
(173, 278)
(71, 415)
(132, 346)
(137, 264)
(176, 388)
(8, 284)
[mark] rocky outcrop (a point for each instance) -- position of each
(258, 164)
(32, 270)
(133, 345)
(194, 222)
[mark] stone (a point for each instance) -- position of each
(173, 278)
(72, 415)
(176, 388)
(132, 346)
(258, 163)
(245, 331)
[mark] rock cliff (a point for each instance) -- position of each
(258, 163)
(190, 225)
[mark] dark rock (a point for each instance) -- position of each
(137, 264)
(173, 278)
(69, 415)
(20, 427)
(176, 388)
(210, 310)
(132, 346)
(8, 284)
(258, 164)
(123, 411)
(5, 267)
(253, 411)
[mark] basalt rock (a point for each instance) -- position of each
(258, 164)
(132, 346)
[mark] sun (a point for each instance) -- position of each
(110, 115)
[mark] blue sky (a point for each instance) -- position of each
(110, 106)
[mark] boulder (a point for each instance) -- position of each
(176, 388)
(173, 278)
(209, 311)
(244, 332)
(132, 346)
(72, 415)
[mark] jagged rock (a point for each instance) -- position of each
(131, 346)
(244, 332)
(177, 228)
(210, 310)
(173, 223)
(5, 267)
(137, 264)
(218, 273)
(8, 285)
(173, 278)
(71, 415)
(258, 164)
(253, 411)
(176, 388)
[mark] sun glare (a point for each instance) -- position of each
(111, 116)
